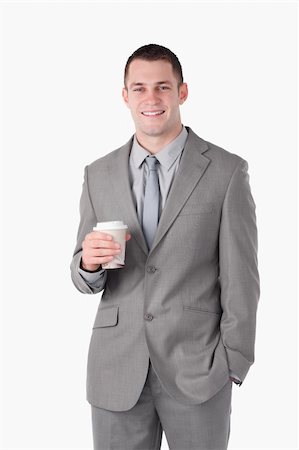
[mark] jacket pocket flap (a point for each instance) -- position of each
(106, 317)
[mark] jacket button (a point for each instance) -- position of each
(151, 269)
(148, 316)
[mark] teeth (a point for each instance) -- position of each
(152, 113)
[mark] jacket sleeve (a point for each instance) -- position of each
(88, 220)
(238, 272)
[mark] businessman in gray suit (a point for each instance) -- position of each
(175, 327)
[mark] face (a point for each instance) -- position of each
(153, 97)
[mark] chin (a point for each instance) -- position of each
(154, 131)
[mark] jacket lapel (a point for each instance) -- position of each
(192, 166)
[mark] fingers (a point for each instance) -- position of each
(99, 248)
(100, 243)
(103, 236)
(98, 235)
(92, 256)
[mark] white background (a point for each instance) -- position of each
(63, 66)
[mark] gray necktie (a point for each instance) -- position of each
(151, 201)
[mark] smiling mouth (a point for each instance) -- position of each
(153, 113)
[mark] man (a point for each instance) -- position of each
(176, 325)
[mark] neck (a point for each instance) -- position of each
(154, 144)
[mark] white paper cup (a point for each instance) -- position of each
(118, 230)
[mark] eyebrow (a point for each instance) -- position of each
(157, 83)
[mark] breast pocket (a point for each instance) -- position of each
(194, 208)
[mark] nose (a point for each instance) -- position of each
(152, 98)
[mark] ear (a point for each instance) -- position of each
(125, 95)
(183, 93)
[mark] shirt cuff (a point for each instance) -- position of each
(91, 277)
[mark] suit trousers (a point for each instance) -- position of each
(205, 426)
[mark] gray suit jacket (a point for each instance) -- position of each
(190, 302)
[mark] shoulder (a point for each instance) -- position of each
(221, 158)
(101, 164)
(226, 161)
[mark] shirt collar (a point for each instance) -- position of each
(166, 156)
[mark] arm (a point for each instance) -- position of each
(234, 378)
(239, 276)
(88, 220)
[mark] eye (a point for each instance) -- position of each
(137, 89)
(164, 88)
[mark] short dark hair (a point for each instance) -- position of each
(154, 52)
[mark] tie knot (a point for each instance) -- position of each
(151, 162)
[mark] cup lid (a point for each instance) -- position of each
(113, 225)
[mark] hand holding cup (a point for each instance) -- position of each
(99, 248)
